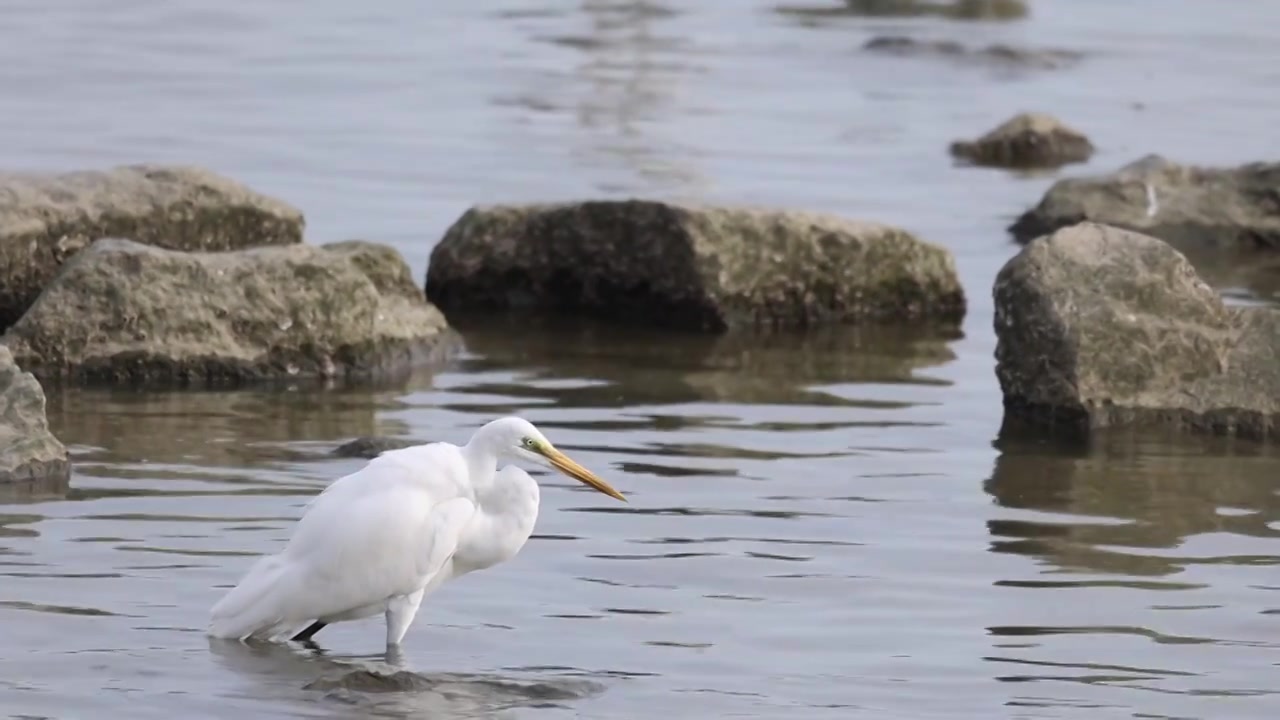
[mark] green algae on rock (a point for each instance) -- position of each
(693, 267)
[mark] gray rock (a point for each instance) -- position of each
(1027, 140)
(371, 447)
(1188, 206)
(121, 311)
(1099, 326)
(684, 266)
(1001, 56)
(47, 218)
(29, 453)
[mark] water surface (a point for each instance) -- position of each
(819, 526)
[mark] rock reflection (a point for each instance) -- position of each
(1126, 493)
(1241, 278)
(638, 367)
(34, 490)
(209, 427)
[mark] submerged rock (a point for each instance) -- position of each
(1099, 326)
(1191, 207)
(999, 55)
(371, 447)
(372, 681)
(47, 218)
(450, 694)
(954, 9)
(123, 311)
(29, 453)
(683, 266)
(1027, 140)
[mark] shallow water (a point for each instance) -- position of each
(819, 526)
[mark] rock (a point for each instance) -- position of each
(999, 55)
(1027, 140)
(122, 311)
(45, 219)
(371, 447)
(1099, 326)
(684, 266)
(1190, 207)
(29, 453)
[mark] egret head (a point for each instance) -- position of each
(518, 438)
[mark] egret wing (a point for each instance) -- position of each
(384, 531)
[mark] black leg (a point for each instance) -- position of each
(311, 629)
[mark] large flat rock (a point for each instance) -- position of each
(29, 453)
(694, 267)
(121, 311)
(1193, 208)
(47, 218)
(1099, 326)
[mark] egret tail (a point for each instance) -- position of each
(256, 607)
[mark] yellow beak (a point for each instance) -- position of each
(569, 467)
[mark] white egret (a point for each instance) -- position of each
(380, 539)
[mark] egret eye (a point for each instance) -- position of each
(527, 442)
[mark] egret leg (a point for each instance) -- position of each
(400, 613)
(310, 630)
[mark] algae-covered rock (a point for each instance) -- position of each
(1194, 208)
(124, 311)
(1099, 326)
(28, 451)
(685, 266)
(47, 218)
